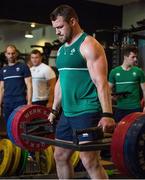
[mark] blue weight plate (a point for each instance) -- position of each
(134, 148)
(10, 119)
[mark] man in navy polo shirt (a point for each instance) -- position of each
(16, 83)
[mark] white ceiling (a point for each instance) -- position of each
(116, 2)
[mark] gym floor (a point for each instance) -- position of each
(32, 172)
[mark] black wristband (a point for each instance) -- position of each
(107, 114)
(55, 112)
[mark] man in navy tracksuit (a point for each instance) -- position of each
(15, 83)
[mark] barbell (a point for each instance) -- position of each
(30, 129)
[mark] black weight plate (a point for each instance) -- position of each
(134, 148)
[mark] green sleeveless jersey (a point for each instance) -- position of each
(79, 94)
(127, 81)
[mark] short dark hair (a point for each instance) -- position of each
(36, 51)
(127, 49)
(66, 11)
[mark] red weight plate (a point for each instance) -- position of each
(24, 115)
(15, 123)
(118, 139)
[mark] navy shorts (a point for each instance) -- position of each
(9, 107)
(66, 125)
(121, 113)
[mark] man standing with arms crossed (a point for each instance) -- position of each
(82, 90)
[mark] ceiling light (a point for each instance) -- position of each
(33, 25)
(28, 35)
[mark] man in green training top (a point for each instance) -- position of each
(128, 78)
(82, 90)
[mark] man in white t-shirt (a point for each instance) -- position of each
(43, 80)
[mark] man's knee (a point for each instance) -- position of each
(61, 155)
(90, 160)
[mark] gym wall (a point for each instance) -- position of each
(131, 14)
(41, 35)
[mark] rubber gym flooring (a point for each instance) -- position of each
(32, 172)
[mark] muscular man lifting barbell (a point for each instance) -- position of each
(82, 91)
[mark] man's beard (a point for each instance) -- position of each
(11, 60)
(66, 38)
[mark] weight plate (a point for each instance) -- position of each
(53, 168)
(17, 156)
(25, 115)
(118, 139)
(9, 123)
(6, 152)
(12, 160)
(134, 148)
(75, 158)
(45, 159)
(22, 163)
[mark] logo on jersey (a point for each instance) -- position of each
(117, 74)
(85, 134)
(17, 69)
(134, 73)
(4, 70)
(72, 51)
